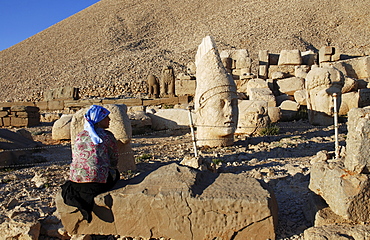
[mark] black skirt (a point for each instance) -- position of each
(81, 195)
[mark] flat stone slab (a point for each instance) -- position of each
(179, 202)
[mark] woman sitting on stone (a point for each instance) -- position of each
(94, 160)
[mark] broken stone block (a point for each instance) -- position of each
(62, 128)
(263, 71)
(254, 83)
(290, 57)
(357, 68)
(301, 71)
(290, 85)
(274, 114)
(345, 192)
(358, 141)
(289, 110)
(263, 57)
(321, 84)
(350, 84)
(252, 116)
(180, 203)
(263, 94)
(326, 216)
(288, 70)
(348, 101)
(300, 97)
(277, 75)
(140, 121)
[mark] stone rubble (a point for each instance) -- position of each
(282, 161)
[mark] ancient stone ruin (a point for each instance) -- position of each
(215, 98)
(180, 203)
(344, 185)
(19, 116)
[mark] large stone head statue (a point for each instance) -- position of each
(321, 84)
(215, 98)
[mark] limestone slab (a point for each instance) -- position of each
(181, 203)
(346, 192)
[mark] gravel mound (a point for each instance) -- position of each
(113, 45)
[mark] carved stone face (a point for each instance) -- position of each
(321, 83)
(217, 120)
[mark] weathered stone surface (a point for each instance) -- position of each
(185, 87)
(358, 140)
(321, 83)
(139, 120)
(55, 105)
(329, 54)
(215, 98)
(167, 82)
(346, 192)
(66, 92)
(252, 115)
(300, 97)
(62, 127)
(120, 126)
(278, 75)
(350, 84)
(263, 94)
(255, 83)
(274, 114)
(301, 71)
(288, 70)
(338, 232)
(181, 203)
(326, 216)
(348, 101)
(153, 86)
(290, 85)
(50, 117)
(358, 68)
(23, 225)
(170, 118)
(290, 57)
(289, 110)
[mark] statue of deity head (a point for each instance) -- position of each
(215, 98)
(321, 84)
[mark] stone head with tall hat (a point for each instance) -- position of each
(215, 98)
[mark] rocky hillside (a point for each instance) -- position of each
(114, 44)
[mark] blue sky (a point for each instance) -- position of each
(20, 19)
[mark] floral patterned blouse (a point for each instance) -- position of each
(90, 162)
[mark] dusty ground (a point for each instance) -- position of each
(283, 161)
(110, 48)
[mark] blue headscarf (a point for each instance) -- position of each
(94, 115)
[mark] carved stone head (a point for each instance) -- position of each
(321, 83)
(216, 102)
